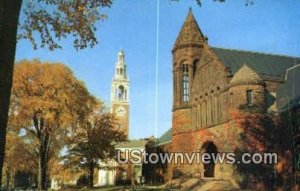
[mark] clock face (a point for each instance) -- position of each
(120, 111)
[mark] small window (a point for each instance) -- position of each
(249, 94)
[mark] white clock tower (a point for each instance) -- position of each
(120, 93)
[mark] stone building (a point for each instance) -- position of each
(209, 84)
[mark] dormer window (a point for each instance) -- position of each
(249, 95)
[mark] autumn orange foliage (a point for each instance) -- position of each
(47, 102)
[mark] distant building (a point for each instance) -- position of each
(111, 172)
(120, 93)
(129, 171)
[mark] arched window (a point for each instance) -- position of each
(249, 94)
(185, 82)
(121, 92)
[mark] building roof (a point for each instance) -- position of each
(266, 65)
(246, 75)
(190, 32)
(288, 96)
(132, 144)
(165, 138)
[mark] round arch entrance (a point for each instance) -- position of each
(209, 166)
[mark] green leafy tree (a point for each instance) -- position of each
(94, 141)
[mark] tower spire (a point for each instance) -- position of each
(121, 56)
(190, 33)
(120, 68)
(120, 93)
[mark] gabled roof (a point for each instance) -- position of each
(165, 138)
(266, 65)
(246, 75)
(190, 32)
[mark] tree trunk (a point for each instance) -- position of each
(7, 178)
(9, 16)
(42, 173)
(91, 174)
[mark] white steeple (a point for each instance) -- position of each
(120, 84)
(120, 68)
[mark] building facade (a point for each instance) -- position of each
(211, 84)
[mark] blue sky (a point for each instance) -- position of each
(270, 26)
